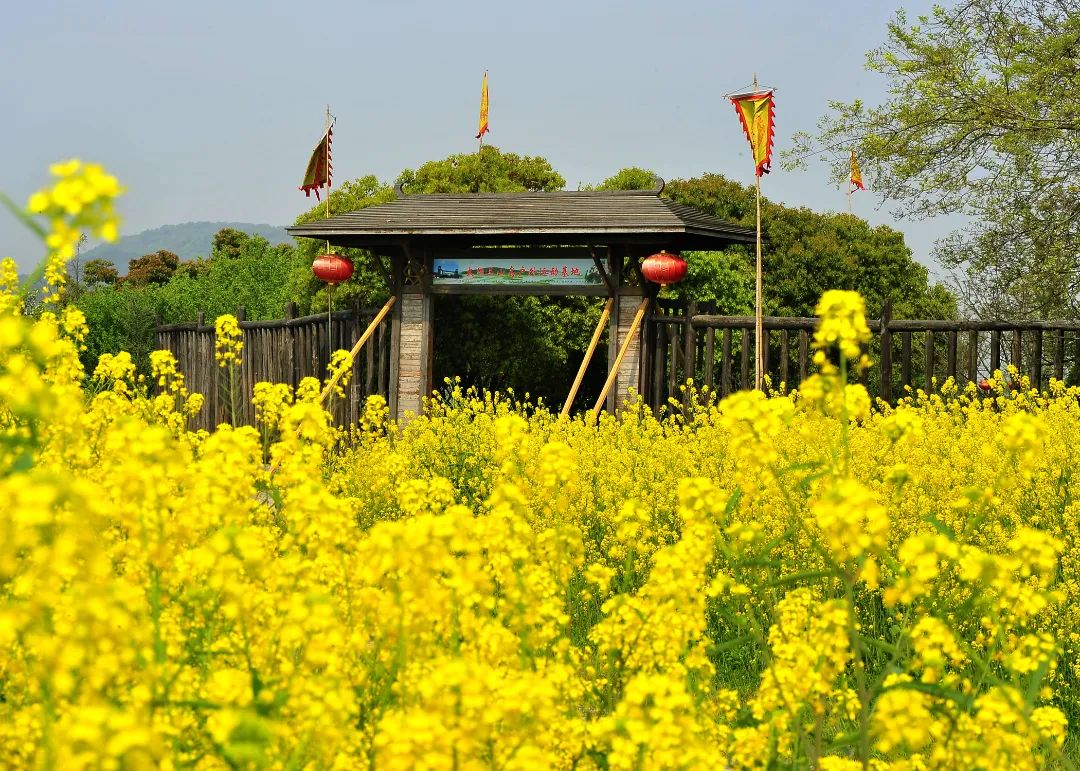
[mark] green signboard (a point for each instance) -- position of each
(481, 271)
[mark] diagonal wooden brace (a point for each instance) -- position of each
(359, 344)
(614, 373)
(588, 358)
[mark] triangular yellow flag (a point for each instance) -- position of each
(856, 175)
(483, 109)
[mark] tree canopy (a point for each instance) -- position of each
(982, 119)
(155, 268)
(99, 271)
(488, 171)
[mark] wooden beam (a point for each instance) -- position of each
(603, 272)
(588, 358)
(376, 260)
(358, 345)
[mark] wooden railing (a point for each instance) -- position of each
(279, 351)
(718, 351)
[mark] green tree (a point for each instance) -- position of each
(122, 317)
(805, 253)
(982, 119)
(99, 271)
(630, 178)
(487, 171)
(256, 278)
(228, 243)
(156, 268)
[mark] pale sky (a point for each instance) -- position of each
(209, 110)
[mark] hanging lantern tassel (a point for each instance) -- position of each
(663, 268)
(333, 269)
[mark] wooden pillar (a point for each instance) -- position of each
(411, 341)
(627, 301)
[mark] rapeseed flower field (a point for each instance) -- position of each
(804, 580)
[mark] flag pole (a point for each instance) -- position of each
(483, 114)
(327, 161)
(330, 293)
(758, 358)
(849, 191)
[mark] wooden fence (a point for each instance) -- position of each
(691, 341)
(686, 341)
(280, 351)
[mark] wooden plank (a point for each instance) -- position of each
(886, 366)
(744, 360)
(689, 344)
(785, 357)
(905, 359)
(764, 356)
(710, 356)
(725, 364)
(1059, 354)
(1018, 351)
(370, 352)
(928, 361)
(951, 354)
(804, 355)
(673, 346)
(656, 397)
(1036, 360)
(973, 356)
(995, 351)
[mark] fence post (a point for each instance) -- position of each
(973, 355)
(950, 362)
(290, 336)
(689, 341)
(886, 352)
(804, 351)
(659, 363)
(725, 364)
(1018, 352)
(1036, 361)
(928, 364)
(1059, 355)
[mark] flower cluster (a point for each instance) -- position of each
(843, 323)
(228, 340)
(80, 201)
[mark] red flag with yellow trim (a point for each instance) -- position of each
(483, 109)
(319, 169)
(756, 113)
(856, 175)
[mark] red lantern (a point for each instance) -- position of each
(664, 268)
(984, 385)
(332, 268)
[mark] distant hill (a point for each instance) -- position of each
(188, 240)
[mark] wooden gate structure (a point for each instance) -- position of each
(532, 243)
